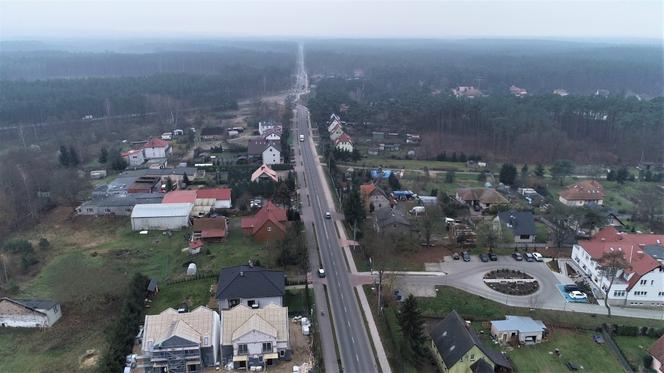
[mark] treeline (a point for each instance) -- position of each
(493, 65)
(534, 128)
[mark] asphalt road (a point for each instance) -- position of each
(351, 336)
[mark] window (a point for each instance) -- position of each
(661, 294)
(619, 293)
(269, 229)
(640, 293)
(643, 282)
(524, 237)
(652, 282)
(472, 357)
(267, 346)
(206, 341)
(242, 349)
(282, 353)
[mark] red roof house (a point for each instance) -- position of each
(210, 229)
(180, 196)
(583, 193)
(268, 224)
(220, 198)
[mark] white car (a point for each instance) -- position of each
(328, 215)
(538, 257)
(577, 295)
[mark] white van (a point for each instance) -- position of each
(417, 210)
(302, 138)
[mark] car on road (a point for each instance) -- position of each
(456, 256)
(529, 257)
(577, 295)
(328, 215)
(301, 138)
(466, 256)
(493, 257)
(321, 272)
(484, 257)
(538, 257)
(517, 256)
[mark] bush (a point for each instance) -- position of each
(17, 246)
(647, 361)
(44, 244)
(654, 332)
(629, 331)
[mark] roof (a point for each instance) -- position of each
(130, 152)
(192, 326)
(657, 349)
(210, 227)
(481, 366)
(484, 195)
(271, 320)
(264, 170)
(128, 200)
(523, 324)
(370, 189)
(258, 146)
(221, 194)
(343, 138)
(250, 282)
(269, 212)
(152, 285)
(276, 130)
(453, 338)
(180, 196)
(519, 222)
(190, 171)
(153, 210)
(156, 143)
(390, 216)
(37, 304)
(632, 245)
(584, 190)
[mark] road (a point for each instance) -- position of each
(351, 336)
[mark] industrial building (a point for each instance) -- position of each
(160, 216)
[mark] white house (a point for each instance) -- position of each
(255, 337)
(333, 123)
(271, 155)
(160, 216)
(185, 342)
(266, 126)
(640, 285)
(28, 313)
(157, 148)
(134, 157)
(336, 131)
(272, 134)
(268, 151)
(218, 198)
(344, 143)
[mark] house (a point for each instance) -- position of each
(267, 151)
(267, 126)
(157, 148)
(640, 285)
(134, 157)
(518, 92)
(28, 313)
(373, 151)
(253, 338)
(482, 198)
(160, 216)
(344, 143)
(272, 134)
(335, 131)
(388, 219)
(145, 184)
(374, 195)
(212, 133)
(583, 193)
(518, 330)
(657, 353)
(180, 196)
(457, 349)
(120, 205)
(217, 198)
(250, 286)
(520, 224)
(264, 172)
(560, 92)
(181, 342)
(467, 92)
(210, 229)
(334, 123)
(268, 224)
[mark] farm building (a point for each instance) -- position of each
(160, 216)
(117, 205)
(28, 313)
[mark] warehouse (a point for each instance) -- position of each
(160, 216)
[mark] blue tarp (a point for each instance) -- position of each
(568, 299)
(377, 174)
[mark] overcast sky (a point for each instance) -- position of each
(438, 19)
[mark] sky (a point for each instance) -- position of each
(322, 18)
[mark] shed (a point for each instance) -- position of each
(160, 216)
(521, 329)
(191, 270)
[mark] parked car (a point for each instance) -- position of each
(321, 272)
(517, 256)
(571, 366)
(577, 295)
(456, 256)
(466, 256)
(493, 257)
(538, 257)
(484, 257)
(529, 257)
(570, 288)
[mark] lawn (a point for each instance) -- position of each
(408, 164)
(574, 346)
(296, 301)
(194, 293)
(634, 348)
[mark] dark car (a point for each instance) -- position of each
(466, 256)
(456, 256)
(571, 288)
(517, 256)
(493, 257)
(484, 257)
(529, 257)
(571, 366)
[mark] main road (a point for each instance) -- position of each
(349, 328)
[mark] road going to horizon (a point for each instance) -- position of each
(352, 340)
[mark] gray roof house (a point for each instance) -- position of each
(28, 313)
(390, 219)
(521, 225)
(251, 286)
(518, 330)
(121, 204)
(456, 347)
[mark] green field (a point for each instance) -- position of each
(194, 293)
(634, 348)
(408, 164)
(577, 347)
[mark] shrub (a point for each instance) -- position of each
(44, 244)
(626, 330)
(16, 246)
(647, 361)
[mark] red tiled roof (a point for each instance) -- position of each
(130, 152)
(584, 190)
(221, 194)
(210, 227)
(180, 196)
(269, 212)
(264, 170)
(195, 244)
(156, 143)
(657, 349)
(630, 244)
(367, 189)
(343, 138)
(213, 233)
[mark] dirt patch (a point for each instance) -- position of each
(89, 359)
(430, 254)
(301, 346)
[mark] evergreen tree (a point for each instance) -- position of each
(185, 179)
(539, 170)
(622, 175)
(562, 168)
(74, 160)
(169, 185)
(611, 175)
(394, 182)
(412, 327)
(117, 162)
(507, 174)
(103, 155)
(454, 157)
(354, 208)
(63, 157)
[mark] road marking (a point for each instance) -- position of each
(352, 339)
(357, 358)
(345, 309)
(348, 322)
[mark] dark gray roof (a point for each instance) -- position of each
(257, 146)
(128, 199)
(453, 339)
(481, 366)
(190, 171)
(152, 285)
(390, 216)
(519, 222)
(38, 304)
(250, 282)
(655, 251)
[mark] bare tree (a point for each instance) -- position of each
(611, 263)
(429, 221)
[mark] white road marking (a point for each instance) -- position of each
(357, 358)
(352, 339)
(345, 309)
(348, 322)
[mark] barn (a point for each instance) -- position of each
(160, 216)
(28, 313)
